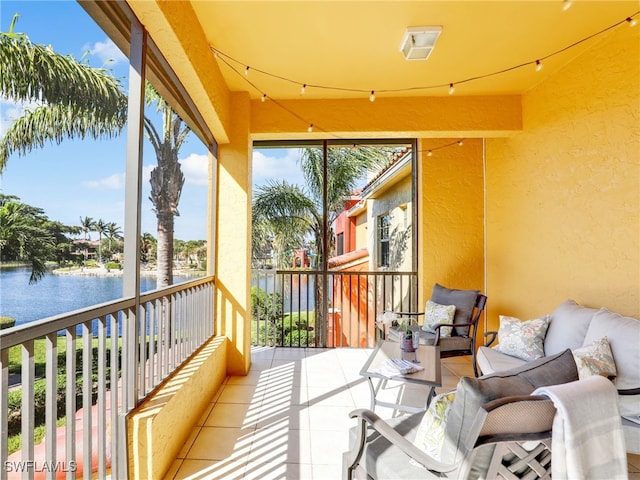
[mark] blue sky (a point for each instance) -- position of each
(86, 178)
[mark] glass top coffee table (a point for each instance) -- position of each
(427, 357)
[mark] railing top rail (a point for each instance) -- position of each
(39, 328)
(309, 271)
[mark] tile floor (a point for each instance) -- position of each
(288, 418)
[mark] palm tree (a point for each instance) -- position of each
(86, 225)
(147, 245)
(23, 235)
(78, 101)
(113, 233)
(101, 228)
(286, 214)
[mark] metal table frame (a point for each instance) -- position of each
(428, 357)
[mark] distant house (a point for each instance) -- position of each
(372, 234)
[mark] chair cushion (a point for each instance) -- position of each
(464, 300)
(568, 325)
(595, 359)
(435, 313)
(472, 393)
(491, 360)
(522, 339)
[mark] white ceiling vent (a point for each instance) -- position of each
(418, 42)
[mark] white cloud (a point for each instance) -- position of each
(10, 111)
(266, 167)
(112, 182)
(107, 52)
(196, 169)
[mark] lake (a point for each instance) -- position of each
(56, 294)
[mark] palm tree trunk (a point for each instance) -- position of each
(165, 250)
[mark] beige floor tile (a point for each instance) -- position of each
(329, 418)
(290, 353)
(254, 377)
(211, 470)
(175, 466)
(327, 446)
(333, 397)
(292, 417)
(241, 394)
(327, 472)
(634, 462)
(221, 443)
(187, 444)
(205, 414)
(280, 445)
(326, 378)
(278, 471)
(285, 394)
(237, 415)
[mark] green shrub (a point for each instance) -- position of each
(7, 322)
(112, 266)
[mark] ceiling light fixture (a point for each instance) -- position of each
(418, 42)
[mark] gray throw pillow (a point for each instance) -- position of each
(472, 393)
(464, 300)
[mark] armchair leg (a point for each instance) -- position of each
(349, 465)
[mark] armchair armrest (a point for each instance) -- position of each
(367, 417)
(493, 336)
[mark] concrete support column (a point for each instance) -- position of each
(233, 247)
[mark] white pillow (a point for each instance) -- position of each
(430, 433)
(522, 339)
(595, 359)
(436, 313)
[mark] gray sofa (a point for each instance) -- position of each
(573, 326)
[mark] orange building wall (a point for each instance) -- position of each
(563, 199)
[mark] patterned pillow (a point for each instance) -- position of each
(430, 433)
(595, 359)
(436, 313)
(522, 339)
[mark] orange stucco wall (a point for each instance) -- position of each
(563, 196)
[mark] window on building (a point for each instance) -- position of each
(340, 243)
(383, 240)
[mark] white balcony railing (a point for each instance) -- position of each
(115, 354)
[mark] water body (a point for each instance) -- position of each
(56, 294)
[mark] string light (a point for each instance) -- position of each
(372, 97)
(566, 5)
(264, 97)
(631, 21)
(310, 129)
(460, 143)
(451, 89)
(303, 89)
(246, 70)
(429, 153)
(538, 66)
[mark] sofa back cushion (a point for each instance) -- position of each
(623, 334)
(568, 325)
(473, 393)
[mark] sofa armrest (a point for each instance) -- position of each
(629, 391)
(489, 341)
(367, 417)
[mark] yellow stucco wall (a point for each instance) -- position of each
(563, 199)
(450, 216)
(159, 427)
(233, 215)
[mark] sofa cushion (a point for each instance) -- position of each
(472, 393)
(568, 326)
(623, 334)
(464, 300)
(595, 359)
(522, 339)
(430, 433)
(491, 360)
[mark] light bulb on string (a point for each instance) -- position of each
(372, 97)
(566, 5)
(310, 129)
(451, 89)
(539, 66)
(632, 21)
(246, 70)
(303, 89)
(429, 153)
(460, 143)
(264, 97)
